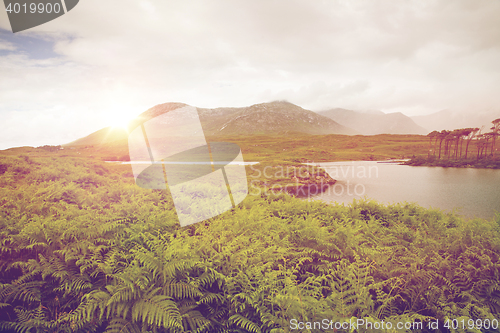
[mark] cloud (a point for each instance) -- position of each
(6, 46)
(113, 58)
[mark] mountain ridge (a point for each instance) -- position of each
(449, 120)
(278, 117)
(272, 118)
(373, 122)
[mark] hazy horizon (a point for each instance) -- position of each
(106, 62)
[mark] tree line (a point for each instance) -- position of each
(451, 143)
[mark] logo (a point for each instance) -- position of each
(28, 14)
(204, 179)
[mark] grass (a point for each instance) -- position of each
(329, 148)
(294, 148)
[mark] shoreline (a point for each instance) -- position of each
(485, 163)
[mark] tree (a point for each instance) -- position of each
(456, 136)
(442, 135)
(448, 142)
(464, 135)
(432, 135)
(496, 130)
(472, 134)
(482, 146)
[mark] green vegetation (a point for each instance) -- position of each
(83, 249)
(291, 148)
(289, 177)
(284, 153)
(328, 148)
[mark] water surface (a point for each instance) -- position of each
(470, 192)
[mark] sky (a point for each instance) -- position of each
(105, 62)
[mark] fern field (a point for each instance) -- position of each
(85, 250)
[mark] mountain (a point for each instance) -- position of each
(104, 135)
(375, 122)
(268, 119)
(450, 120)
(275, 118)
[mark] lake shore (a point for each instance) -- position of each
(484, 163)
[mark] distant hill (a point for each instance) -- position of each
(450, 120)
(275, 118)
(105, 135)
(375, 122)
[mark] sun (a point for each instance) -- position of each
(119, 118)
(120, 124)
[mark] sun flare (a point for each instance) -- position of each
(120, 124)
(120, 118)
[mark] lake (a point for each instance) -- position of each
(470, 192)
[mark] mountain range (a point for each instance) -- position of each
(284, 118)
(450, 120)
(375, 122)
(275, 118)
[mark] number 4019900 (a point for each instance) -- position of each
(471, 324)
(33, 8)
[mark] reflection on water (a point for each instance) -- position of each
(470, 192)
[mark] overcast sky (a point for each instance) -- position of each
(106, 61)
